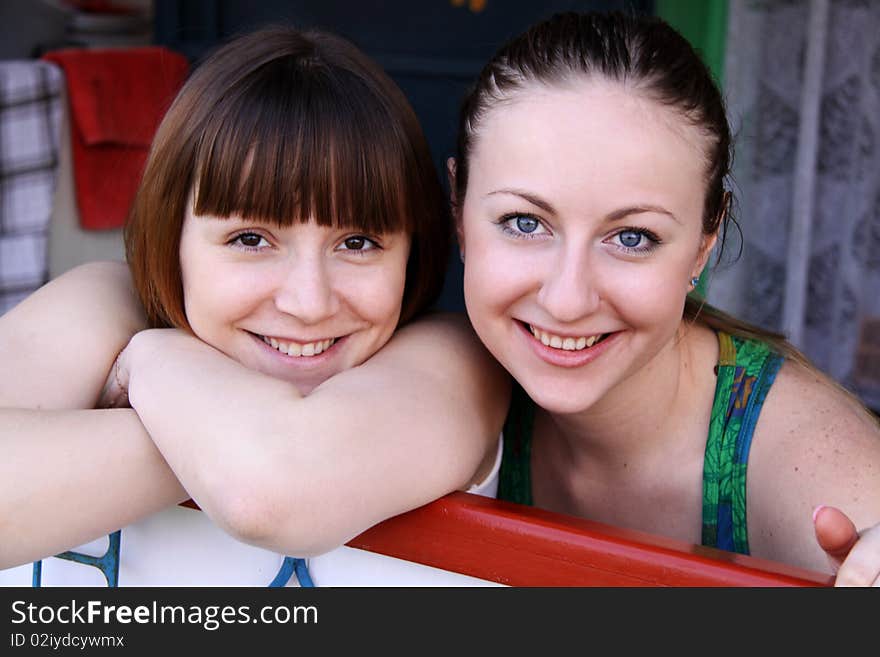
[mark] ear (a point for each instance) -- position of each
(453, 201)
(706, 246)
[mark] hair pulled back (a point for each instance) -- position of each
(643, 53)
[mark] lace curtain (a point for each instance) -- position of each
(802, 80)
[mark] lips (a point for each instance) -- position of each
(568, 353)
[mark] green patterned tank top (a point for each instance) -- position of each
(746, 370)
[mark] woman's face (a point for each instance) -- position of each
(581, 227)
(299, 303)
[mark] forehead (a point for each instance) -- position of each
(598, 140)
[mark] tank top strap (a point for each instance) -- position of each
(515, 477)
(746, 370)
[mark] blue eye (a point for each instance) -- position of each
(527, 224)
(635, 241)
(522, 225)
(630, 238)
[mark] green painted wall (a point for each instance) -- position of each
(704, 24)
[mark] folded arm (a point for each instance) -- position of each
(68, 475)
(301, 475)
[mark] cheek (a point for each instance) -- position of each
(491, 271)
(377, 293)
(648, 296)
(196, 296)
(214, 296)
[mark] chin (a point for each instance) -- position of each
(306, 386)
(562, 406)
(559, 399)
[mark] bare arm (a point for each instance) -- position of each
(67, 476)
(301, 475)
(57, 345)
(71, 476)
(812, 447)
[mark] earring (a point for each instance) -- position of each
(461, 256)
(694, 281)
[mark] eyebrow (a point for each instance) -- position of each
(639, 209)
(546, 206)
(531, 198)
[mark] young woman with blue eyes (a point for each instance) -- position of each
(589, 192)
(278, 365)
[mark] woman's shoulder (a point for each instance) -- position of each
(805, 400)
(806, 416)
(88, 293)
(448, 324)
(98, 270)
(813, 435)
(440, 338)
(103, 292)
(58, 344)
(813, 444)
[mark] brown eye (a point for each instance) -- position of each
(358, 244)
(250, 240)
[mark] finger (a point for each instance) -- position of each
(862, 566)
(835, 532)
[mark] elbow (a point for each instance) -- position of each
(246, 510)
(272, 517)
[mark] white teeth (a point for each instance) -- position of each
(296, 349)
(566, 344)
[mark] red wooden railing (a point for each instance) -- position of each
(523, 546)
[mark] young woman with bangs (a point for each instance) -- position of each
(276, 362)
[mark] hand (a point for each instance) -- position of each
(854, 557)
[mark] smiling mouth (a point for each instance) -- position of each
(565, 343)
(299, 349)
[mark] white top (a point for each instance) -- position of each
(180, 546)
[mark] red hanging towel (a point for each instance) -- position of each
(117, 98)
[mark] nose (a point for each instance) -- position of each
(569, 289)
(305, 290)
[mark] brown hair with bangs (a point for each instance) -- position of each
(287, 126)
